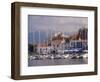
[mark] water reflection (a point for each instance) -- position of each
(48, 62)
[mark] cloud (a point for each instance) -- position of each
(58, 23)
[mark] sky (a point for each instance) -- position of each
(48, 24)
(58, 23)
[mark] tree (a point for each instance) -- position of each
(83, 33)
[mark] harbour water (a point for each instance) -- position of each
(49, 62)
